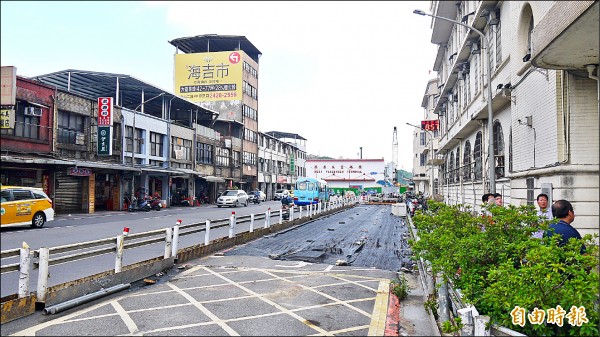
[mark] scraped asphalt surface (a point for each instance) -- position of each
(363, 236)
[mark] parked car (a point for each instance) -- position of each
(261, 195)
(279, 194)
(233, 198)
(25, 206)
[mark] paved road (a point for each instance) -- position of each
(79, 228)
(244, 292)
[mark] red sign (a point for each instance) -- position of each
(234, 57)
(430, 125)
(105, 111)
(45, 181)
(79, 171)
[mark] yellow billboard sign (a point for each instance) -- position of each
(202, 77)
(7, 118)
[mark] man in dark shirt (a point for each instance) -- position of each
(563, 210)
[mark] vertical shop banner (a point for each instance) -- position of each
(104, 140)
(203, 77)
(8, 84)
(105, 111)
(292, 164)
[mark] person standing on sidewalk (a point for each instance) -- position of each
(563, 210)
(544, 212)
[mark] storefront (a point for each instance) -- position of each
(107, 192)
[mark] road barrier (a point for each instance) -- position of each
(47, 257)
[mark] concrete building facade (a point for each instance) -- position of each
(543, 59)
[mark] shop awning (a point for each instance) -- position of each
(213, 179)
(183, 172)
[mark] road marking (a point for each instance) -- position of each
(264, 299)
(125, 317)
(205, 311)
(299, 265)
(377, 327)
(329, 268)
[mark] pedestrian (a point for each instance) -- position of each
(498, 199)
(563, 210)
(485, 197)
(544, 212)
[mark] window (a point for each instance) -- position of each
(250, 90)
(222, 156)
(250, 135)
(128, 138)
(139, 139)
(422, 160)
(467, 162)
(457, 169)
(25, 126)
(236, 158)
(249, 112)
(22, 195)
(156, 144)
(70, 128)
(498, 45)
(182, 148)
(451, 168)
(530, 190)
(477, 157)
(499, 149)
(204, 153)
(250, 69)
(249, 158)
(475, 61)
(422, 140)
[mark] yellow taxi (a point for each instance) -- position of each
(25, 206)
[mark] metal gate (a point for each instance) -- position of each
(68, 193)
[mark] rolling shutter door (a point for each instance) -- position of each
(67, 197)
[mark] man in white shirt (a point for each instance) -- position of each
(544, 211)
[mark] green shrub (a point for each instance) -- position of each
(498, 265)
(400, 288)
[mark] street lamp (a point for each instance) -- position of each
(432, 156)
(492, 163)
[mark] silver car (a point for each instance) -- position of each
(233, 198)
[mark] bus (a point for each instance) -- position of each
(310, 191)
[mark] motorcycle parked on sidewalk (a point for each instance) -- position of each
(156, 204)
(138, 205)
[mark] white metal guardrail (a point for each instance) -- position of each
(51, 256)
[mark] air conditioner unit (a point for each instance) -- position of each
(33, 111)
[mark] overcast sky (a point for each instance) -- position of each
(341, 74)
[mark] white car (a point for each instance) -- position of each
(279, 194)
(233, 198)
(261, 195)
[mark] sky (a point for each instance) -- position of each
(340, 74)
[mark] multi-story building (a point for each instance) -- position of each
(220, 73)
(542, 60)
(282, 158)
(425, 145)
(92, 163)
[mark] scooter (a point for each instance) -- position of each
(256, 199)
(286, 212)
(137, 205)
(156, 204)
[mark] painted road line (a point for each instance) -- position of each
(205, 311)
(279, 307)
(380, 310)
(125, 317)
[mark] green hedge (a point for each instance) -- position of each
(501, 269)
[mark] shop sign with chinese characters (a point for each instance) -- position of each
(105, 111)
(104, 140)
(7, 118)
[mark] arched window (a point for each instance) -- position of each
(467, 162)
(451, 167)
(457, 169)
(477, 157)
(499, 149)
